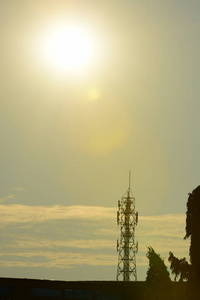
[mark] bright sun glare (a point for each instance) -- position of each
(69, 48)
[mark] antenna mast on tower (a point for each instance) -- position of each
(127, 219)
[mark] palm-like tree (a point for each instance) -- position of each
(179, 267)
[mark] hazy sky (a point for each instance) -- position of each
(70, 137)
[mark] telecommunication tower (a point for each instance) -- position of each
(127, 219)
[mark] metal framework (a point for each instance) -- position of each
(127, 219)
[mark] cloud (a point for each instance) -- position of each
(8, 197)
(18, 213)
(50, 260)
(67, 236)
(60, 244)
(18, 188)
(11, 195)
(162, 227)
(164, 233)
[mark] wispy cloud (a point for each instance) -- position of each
(164, 233)
(8, 197)
(60, 244)
(18, 213)
(65, 236)
(59, 260)
(18, 188)
(11, 195)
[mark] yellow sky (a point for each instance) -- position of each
(69, 137)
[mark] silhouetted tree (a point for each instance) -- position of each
(158, 280)
(157, 271)
(179, 267)
(193, 232)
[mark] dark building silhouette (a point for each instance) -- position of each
(33, 289)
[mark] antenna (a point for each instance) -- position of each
(129, 180)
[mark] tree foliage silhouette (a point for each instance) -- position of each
(193, 232)
(157, 272)
(179, 267)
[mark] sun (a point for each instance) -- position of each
(69, 47)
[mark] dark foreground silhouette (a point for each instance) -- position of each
(30, 289)
(158, 280)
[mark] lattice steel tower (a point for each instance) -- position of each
(127, 219)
